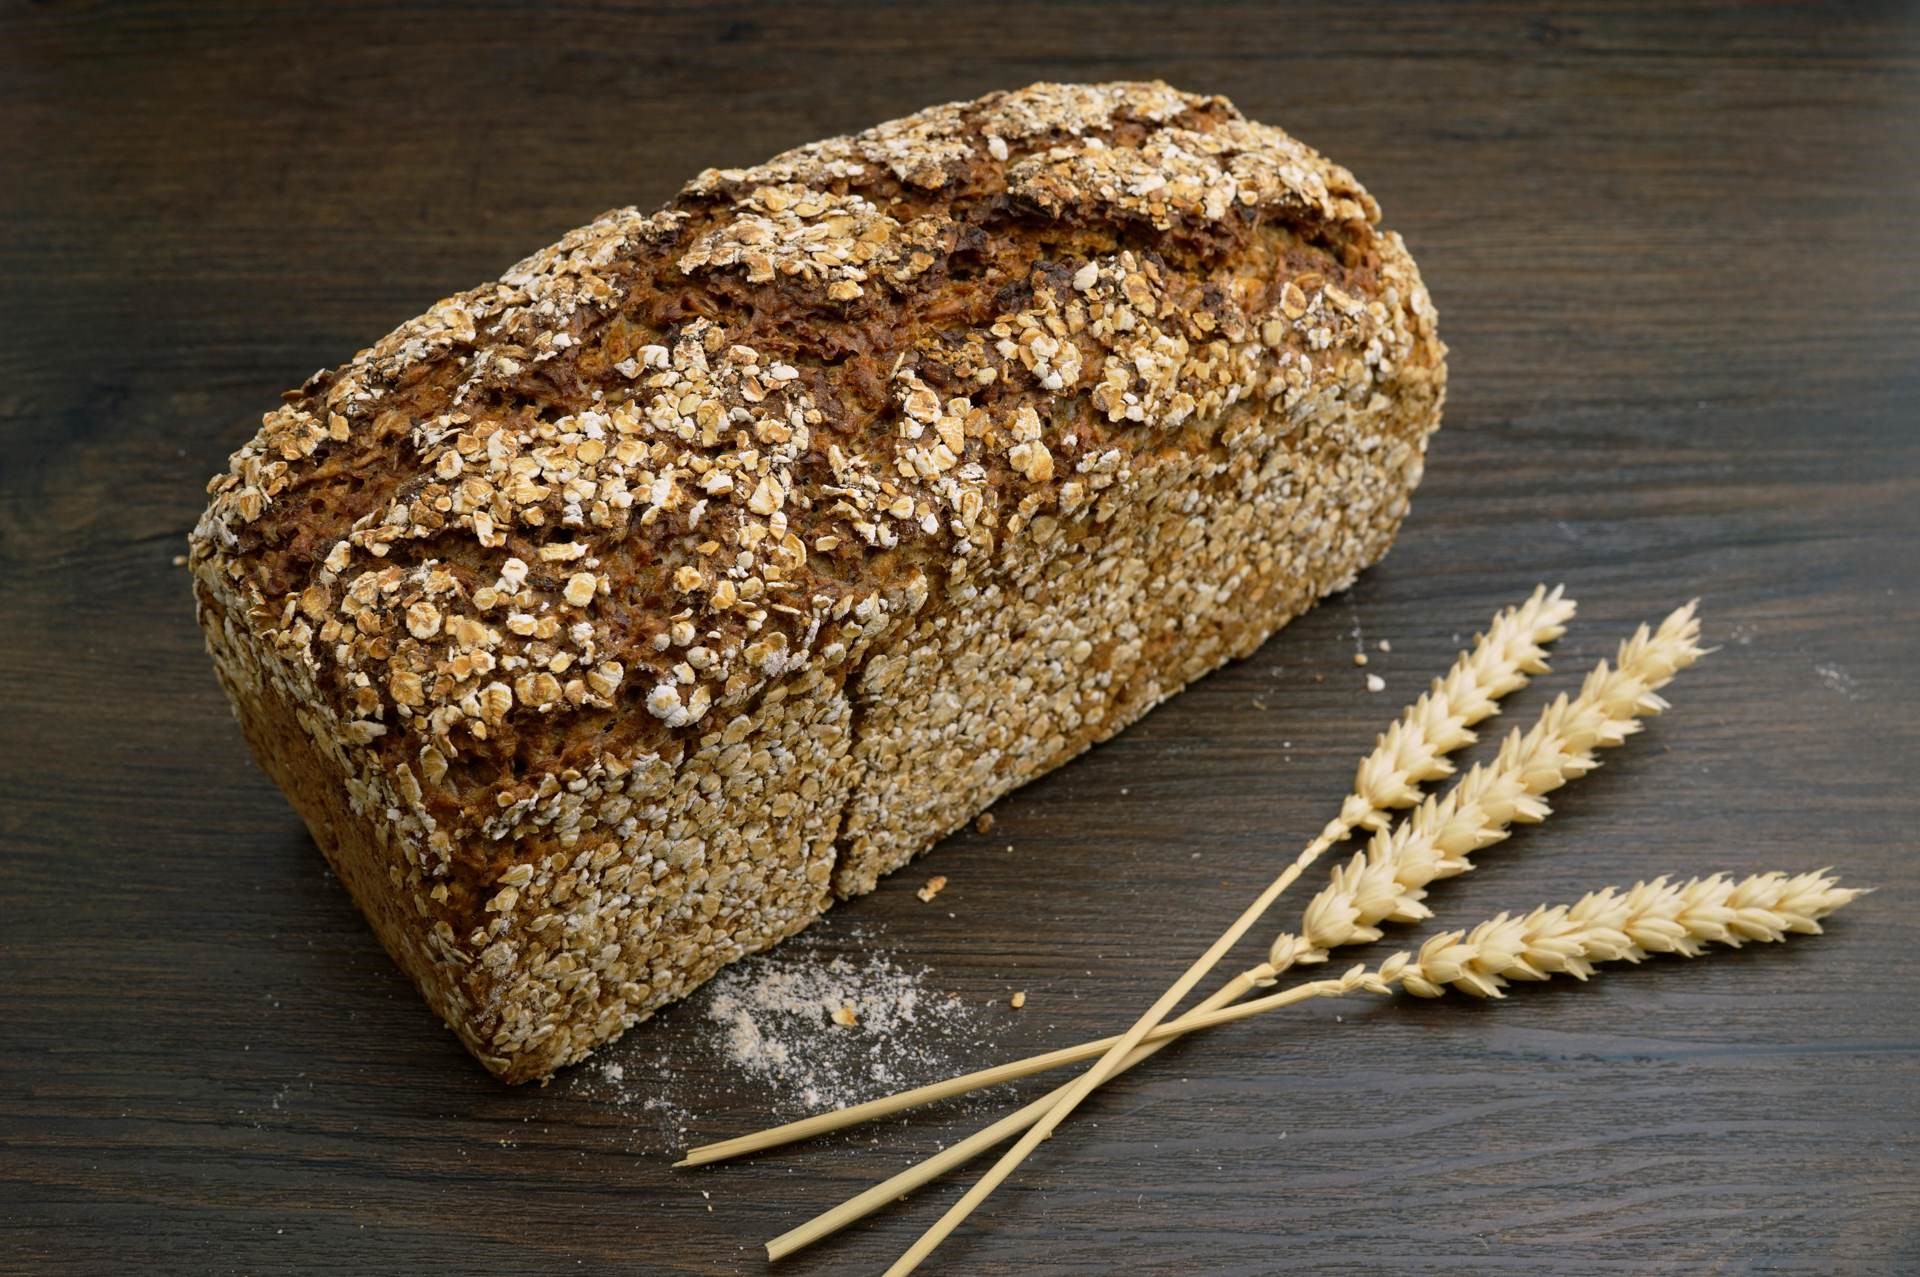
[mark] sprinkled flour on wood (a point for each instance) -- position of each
(777, 1016)
(799, 1030)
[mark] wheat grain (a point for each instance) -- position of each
(1387, 882)
(1409, 753)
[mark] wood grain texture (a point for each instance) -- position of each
(1674, 257)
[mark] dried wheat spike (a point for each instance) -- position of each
(1413, 750)
(1610, 925)
(1387, 882)
(1618, 926)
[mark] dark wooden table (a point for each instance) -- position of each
(1676, 258)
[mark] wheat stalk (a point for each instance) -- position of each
(1604, 926)
(1412, 751)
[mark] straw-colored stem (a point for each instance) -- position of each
(1409, 753)
(1069, 1096)
(1103, 1069)
(1215, 1010)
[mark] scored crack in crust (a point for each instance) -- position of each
(604, 621)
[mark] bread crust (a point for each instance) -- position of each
(606, 622)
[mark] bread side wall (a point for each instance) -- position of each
(705, 860)
(348, 815)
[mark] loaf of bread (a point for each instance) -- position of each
(608, 622)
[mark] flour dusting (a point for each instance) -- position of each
(796, 1031)
(783, 1022)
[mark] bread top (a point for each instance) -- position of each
(680, 455)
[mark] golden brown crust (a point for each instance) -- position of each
(640, 592)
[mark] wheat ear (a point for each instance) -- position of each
(1413, 756)
(1412, 751)
(1433, 842)
(1622, 926)
(1610, 925)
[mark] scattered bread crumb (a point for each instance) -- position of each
(1385, 646)
(1359, 658)
(179, 560)
(1018, 1000)
(1375, 683)
(935, 885)
(845, 1015)
(984, 822)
